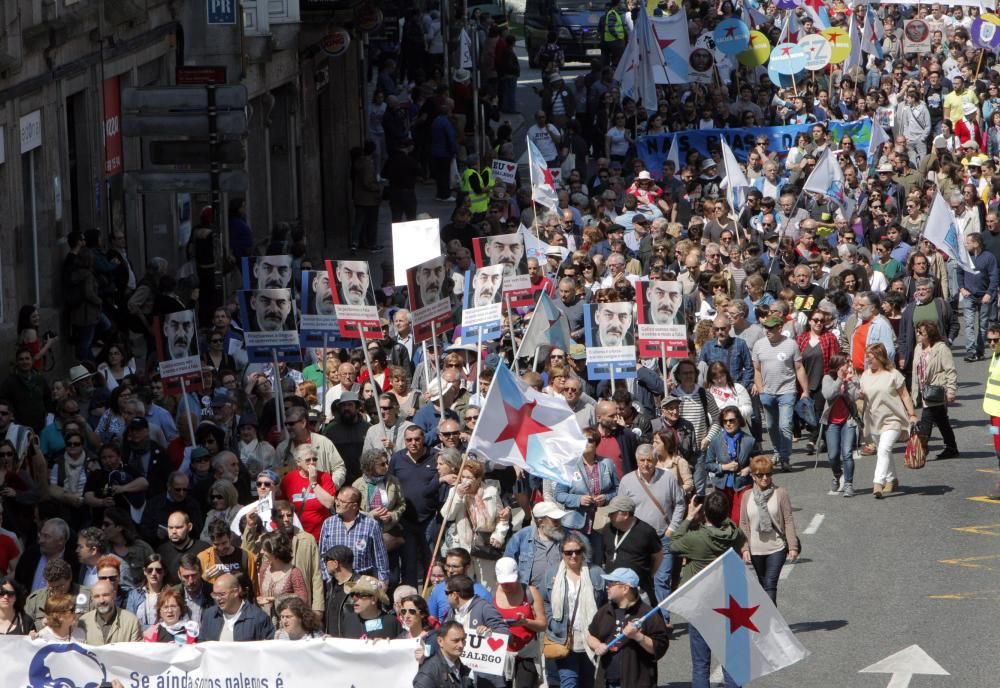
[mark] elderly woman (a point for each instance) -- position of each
(934, 384)
(407, 399)
(595, 483)
(481, 522)
(381, 496)
(310, 491)
(572, 592)
(224, 504)
(174, 624)
(766, 521)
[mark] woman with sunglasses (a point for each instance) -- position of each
(414, 617)
(69, 478)
(216, 357)
(727, 461)
(478, 515)
(143, 601)
(13, 619)
(223, 504)
(766, 521)
(572, 592)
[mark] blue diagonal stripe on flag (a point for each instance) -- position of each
(738, 645)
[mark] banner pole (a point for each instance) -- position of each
(513, 343)
(444, 524)
(666, 375)
(427, 363)
(612, 381)
(368, 364)
(479, 360)
(322, 394)
(437, 362)
(278, 403)
(187, 405)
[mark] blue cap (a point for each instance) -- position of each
(622, 575)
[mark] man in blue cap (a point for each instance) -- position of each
(631, 661)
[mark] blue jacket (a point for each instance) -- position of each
(438, 601)
(253, 624)
(736, 356)
(570, 497)
(985, 282)
(444, 141)
(558, 628)
(523, 543)
(648, 387)
(718, 454)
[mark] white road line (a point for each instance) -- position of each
(814, 524)
(786, 570)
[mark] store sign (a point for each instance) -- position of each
(113, 163)
(30, 129)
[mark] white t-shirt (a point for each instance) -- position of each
(545, 139)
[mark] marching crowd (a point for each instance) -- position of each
(334, 498)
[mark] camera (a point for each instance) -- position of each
(49, 334)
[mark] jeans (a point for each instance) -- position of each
(885, 467)
(778, 412)
(840, 441)
(701, 662)
(938, 415)
(975, 316)
(661, 577)
(768, 568)
(575, 671)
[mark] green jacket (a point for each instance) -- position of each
(701, 544)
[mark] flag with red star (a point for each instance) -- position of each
(671, 33)
(547, 330)
(543, 185)
(737, 619)
(519, 426)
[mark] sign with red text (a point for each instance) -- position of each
(485, 654)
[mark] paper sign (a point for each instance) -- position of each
(916, 36)
(485, 654)
(264, 507)
(504, 171)
(177, 349)
(412, 244)
(430, 288)
(660, 313)
(353, 298)
(609, 335)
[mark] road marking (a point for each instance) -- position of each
(973, 595)
(991, 529)
(994, 471)
(786, 570)
(972, 562)
(814, 524)
(986, 499)
(904, 665)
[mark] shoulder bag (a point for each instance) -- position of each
(554, 650)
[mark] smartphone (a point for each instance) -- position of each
(699, 499)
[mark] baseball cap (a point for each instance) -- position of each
(547, 510)
(621, 503)
(348, 397)
(622, 575)
(667, 401)
(506, 570)
(221, 397)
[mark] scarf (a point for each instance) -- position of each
(586, 606)
(73, 470)
(177, 630)
(760, 498)
(733, 447)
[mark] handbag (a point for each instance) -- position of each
(554, 650)
(915, 456)
(933, 394)
(482, 548)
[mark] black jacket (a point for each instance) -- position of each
(26, 565)
(434, 673)
(158, 471)
(638, 667)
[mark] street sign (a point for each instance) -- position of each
(183, 124)
(230, 181)
(182, 98)
(196, 153)
(221, 12)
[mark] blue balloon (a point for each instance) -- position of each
(788, 58)
(731, 36)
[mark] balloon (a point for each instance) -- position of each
(758, 51)
(818, 51)
(840, 44)
(788, 58)
(731, 36)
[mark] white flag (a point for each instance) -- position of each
(875, 141)
(543, 186)
(642, 61)
(464, 50)
(736, 181)
(942, 231)
(674, 155)
(828, 179)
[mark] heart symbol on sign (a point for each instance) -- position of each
(494, 643)
(510, 167)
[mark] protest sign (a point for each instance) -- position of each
(412, 244)
(429, 286)
(916, 36)
(485, 655)
(270, 331)
(317, 315)
(504, 171)
(660, 312)
(177, 349)
(609, 335)
(508, 250)
(267, 272)
(354, 299)
(483, 303)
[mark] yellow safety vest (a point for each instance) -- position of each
(489, 181)
(613, 30)
(479, 201)
(991, 399)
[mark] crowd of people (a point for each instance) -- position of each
(132, 512)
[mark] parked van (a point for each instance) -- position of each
(575, 21)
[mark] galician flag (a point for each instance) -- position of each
(737, 619)
(735, 182)
(465, 50)
(873, 35)
(641, 62)
(817, 10)
(674, 155)
(875, 142)
(942, 231)
(543, 186)
(548, 327)
(521, 427)
(671, 32)
(828, 179)
(536, 248)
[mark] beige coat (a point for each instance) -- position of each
(940, 371)
(124, 629)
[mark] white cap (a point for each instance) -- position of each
(506, 570)
(548, 510)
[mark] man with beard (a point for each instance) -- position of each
(353, 282)
(614, 323)
(305, 553)
(664, 301)
(537, 547)
(631, 542)
(925, 307)
(178, 333)
(486, 287)
(271, 308)
(322, 294)
(106, 623)
(429, 278)
(506, 249)
(348, 434)
(617, 442)
(273, 272)
(570, 304)
(179, 542)
(156, 515)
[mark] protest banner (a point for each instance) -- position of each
(429, 286)
(482, 313)
(354, 299)
(485, 655)
(508, 250)
(609, 335)
(270, 332)
(177, 349)
(412, 244)
(916, 36)
(661, 327)
(504, 171)
(653, 149)
(262, 664)
(267, 272)
(317, 314)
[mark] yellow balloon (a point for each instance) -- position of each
(758, 52)
(840, 44)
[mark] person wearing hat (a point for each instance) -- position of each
(710, 180)
(371, 617)
(224, 416)
(631, 542)
(632, 662)
(536, 547)
(777, 364)
(348, 433)
(522, 608)
(558, 101)
(706, 534)
(254, 454)
(968, 128)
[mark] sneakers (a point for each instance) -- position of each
(848, 490)
(948, 453)
(810, 448)
(971, 358)
(450, 199)
(835, 485)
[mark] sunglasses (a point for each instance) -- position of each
(730, 420)
(113, 579)
(264, 483)
(409, 612)
(454, 433)
(74, 444)
(385, 408)
(154, 569)
(214, 497)
(572, 552)
(472, 417)
(762, 475)
(4, 592)
(993, 340)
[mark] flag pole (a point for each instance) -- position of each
(427, 364)
(663, 356)
(279, 404)
(444, 524)
(513, 344)
(437, 362)
(322, 394)
(187, 405)
(368, 364)
(479, 360)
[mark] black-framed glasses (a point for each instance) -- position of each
(992, 340)
(264, 483)
(113, 579)
(572, 552)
